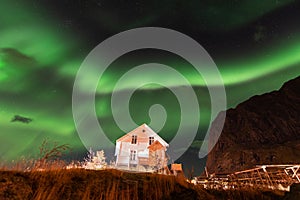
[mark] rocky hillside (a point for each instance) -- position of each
(262, 130)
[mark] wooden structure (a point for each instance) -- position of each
(176, 169)
(274, 177)
(142, 150)
(268, 176)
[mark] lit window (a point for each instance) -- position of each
(132, 155)
(151, 140)
(134, 139)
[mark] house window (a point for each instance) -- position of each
(132, 155)
(151, 140)
(133, 139)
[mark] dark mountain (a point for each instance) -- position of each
(262, 130)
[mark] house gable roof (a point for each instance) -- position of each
(155, 146)
(143, 131)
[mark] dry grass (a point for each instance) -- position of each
(26, 181)
(88, 184)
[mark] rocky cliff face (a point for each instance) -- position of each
(262, 130)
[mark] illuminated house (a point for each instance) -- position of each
(141, 149)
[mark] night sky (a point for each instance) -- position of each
(255, 44)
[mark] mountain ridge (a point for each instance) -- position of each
(261, 130)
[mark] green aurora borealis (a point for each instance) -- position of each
(255, 46)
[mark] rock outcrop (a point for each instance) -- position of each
(262, 130)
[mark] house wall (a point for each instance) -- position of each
(157, 158)
(123, 155)
(143, 156)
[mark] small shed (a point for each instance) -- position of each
(176, 169)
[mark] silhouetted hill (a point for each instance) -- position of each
(262, 130)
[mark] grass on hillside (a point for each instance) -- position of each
(109, 184)
(89, 184)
